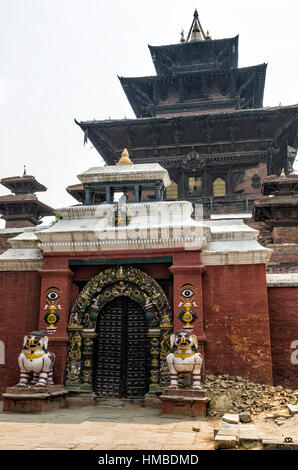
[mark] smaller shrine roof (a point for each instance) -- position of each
(280, 185)
(126, 173)
(22, 184)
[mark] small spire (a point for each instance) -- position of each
(283, 172)
(125, 160)
(208, 36)
(196, 32)
(182, 36)
(24, 174)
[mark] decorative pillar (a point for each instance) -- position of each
(187, 272)
(56, 290)
(108, 195)
(154, 335)
(88, 194)
(87, 362)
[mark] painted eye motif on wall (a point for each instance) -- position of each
(53, 295)
(187, 293)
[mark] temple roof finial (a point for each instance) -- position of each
(24, 173)
(182, 39)
(125, 160)
(196, 32)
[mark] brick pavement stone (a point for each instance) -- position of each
(225, 442)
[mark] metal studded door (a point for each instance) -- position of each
(122, 358)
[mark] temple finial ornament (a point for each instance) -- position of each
(182, 39)
(24, 173)
(196, 32)
(125, 160)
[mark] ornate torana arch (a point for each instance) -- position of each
(106, 286)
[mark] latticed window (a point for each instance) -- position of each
(172, 191)
(195, 185)
(219, 187)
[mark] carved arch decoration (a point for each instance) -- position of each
(109, 284)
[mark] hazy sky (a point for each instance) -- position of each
(60, 60)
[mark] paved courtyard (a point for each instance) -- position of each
(104, 427)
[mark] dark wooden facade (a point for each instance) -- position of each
(201, 117)
(22, 208)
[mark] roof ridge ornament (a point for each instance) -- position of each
(196, 32)
(125, 160)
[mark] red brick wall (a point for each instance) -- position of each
(283, 302)
(236, 321)
(19, 224)
(285, 234)
(4, 237)
(284, 258)
(4, 245)
(19, 313)
(246, 185)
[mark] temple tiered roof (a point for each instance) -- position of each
(22, 208)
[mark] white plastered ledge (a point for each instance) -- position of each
(233, 242)
(282, 280)
(24, 254)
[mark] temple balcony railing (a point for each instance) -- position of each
(225, 204)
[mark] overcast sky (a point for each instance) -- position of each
(60, 60)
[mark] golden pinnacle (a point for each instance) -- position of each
(125, 160)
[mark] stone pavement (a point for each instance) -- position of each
(105, 427)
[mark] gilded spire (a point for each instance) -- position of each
(125, 160)
(24, 174)
(196, 32)
(182, 39)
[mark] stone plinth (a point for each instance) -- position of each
(185, 402)
(34, 399)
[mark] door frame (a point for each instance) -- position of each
(109, 284)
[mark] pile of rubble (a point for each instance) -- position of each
(236, 394)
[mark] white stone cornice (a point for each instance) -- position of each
(126, 173)
(282, 280)
(24, 254)
(233, 242)
(152, 225)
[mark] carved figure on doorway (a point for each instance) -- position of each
(187, 300)
(35, 359)
(184, 360)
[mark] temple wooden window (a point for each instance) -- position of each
(123, 193)
(195, 186)
(219, 187)
(172, 191)
(148, 193)
(98, 197)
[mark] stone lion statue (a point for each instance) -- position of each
(184, 359)
(35, 359)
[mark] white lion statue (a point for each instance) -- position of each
(35, 359)
(184, 359)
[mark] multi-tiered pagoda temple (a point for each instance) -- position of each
(202, 118)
